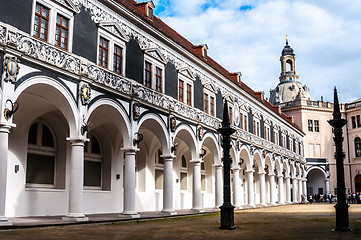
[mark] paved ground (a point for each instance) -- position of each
(303, 221)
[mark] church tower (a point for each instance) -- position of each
(289, 87)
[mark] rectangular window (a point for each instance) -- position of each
(258, 132)
(353, 119)
(310, 125)
(245, 123)
(117, 59)
(103, 52)
(158, 179)
(183, 181)
(317, 125)
(212, 106)
(40, 169)
(92, 174)
(148, 75)
(158, 79)
(61, 32)
(181, 91)
(189, 94)
(205, 103)
(358, 121)
(41, 22)
(230, 115)
(203, 182)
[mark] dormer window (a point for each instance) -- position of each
(150, 12)
(237, 77)
(202, 49)
(146, 7)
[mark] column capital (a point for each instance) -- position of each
(217, 165)
(262, 173)
(236, 168)
(250, 171)
(130, 150)
(77, 140)
(167, 157)
(287, 177)
(196, 161)
(6, 127)
(271, 174)
(280, 176)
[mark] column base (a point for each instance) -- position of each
(197, 210)
(5, 222)
(272, 204)
(216, 208)
(281, 204)
(288, 203)
(168, 212)
(262, 205)
(130, 214)
(70, 218)
(250, 206)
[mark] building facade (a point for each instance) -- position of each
(312, 117)
(105, 108)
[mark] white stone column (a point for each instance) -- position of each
(241, 189)
(288, 190)
(294, 190)
(219, 186)
(281, 200)
(300, 193)
(4, 148)
(304, 182)
(168, 186)
(250, 188)
(129, 183)
(75, 211)
(272, 189)
(197, 194)
(236, 188)
(327, 184)
(262, 189)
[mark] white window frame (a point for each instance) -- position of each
(113, 40)
(155, 63)
(210, 94)
(186, 81)
(43, 150)
(158, 167)
(204, 173)
(54, 10)
(267, 129)
(89, 156)
(183, 170)
(256, 127)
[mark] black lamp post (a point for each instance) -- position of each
(227, 210)
(341, 206)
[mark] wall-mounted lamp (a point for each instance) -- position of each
(85, 127)
(138, 139)
(202, 153)
(9, 112)
(241, 161)
(174, 147)
(266, 168)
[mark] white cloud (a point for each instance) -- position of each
(325, 35)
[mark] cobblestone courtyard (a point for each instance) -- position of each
(303, 221)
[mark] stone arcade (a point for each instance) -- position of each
(118, 113)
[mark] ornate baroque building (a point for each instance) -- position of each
(312, 116)
(105, 108)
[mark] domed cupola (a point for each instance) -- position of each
(287, 50)
(289, 87)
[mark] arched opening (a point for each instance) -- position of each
(289, 67)
(316, 180)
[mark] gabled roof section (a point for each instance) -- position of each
(210, 86)
(155, 53)
(69, 4)
(185, 71)
(114, 29)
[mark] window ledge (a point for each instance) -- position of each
(95, 191)
(35, 189)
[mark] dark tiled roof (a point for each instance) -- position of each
(178, 38)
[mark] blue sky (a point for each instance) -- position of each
(248, 36)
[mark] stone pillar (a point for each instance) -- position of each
(272, 189)
(327, 184)
(129, 183)
(75, 211)
(236, 188)
(294, 190)
(4, 148)
(288, 190)
(304, 181)
(262, 189)
(281, 200)
(241, 189)
(250, 188)
(300, 193)
(197, 194)
(168, 186)
(219, 186)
